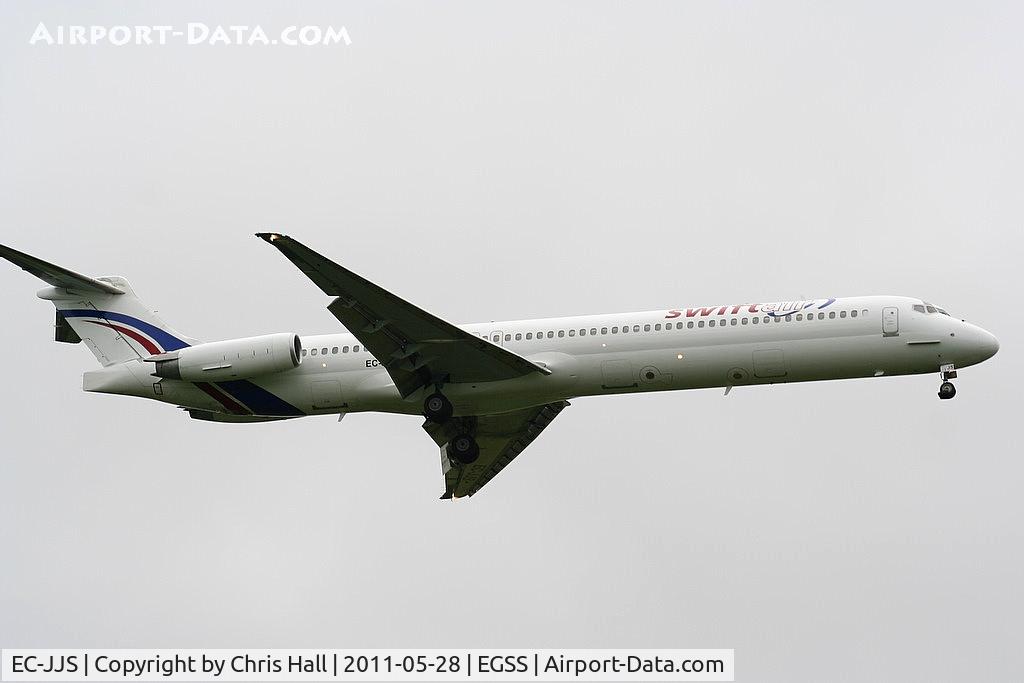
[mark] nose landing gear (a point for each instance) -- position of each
(946, 389)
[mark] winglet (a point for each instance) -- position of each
(55, 275)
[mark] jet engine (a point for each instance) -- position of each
(231, 359)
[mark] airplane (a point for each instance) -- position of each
(487, 390)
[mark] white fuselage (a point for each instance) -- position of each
(688, 348)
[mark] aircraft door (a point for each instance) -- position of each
(890, 321)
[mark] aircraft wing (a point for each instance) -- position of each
(416, 348)
(500, 437)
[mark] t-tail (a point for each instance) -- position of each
(102, 312)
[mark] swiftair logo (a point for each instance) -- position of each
(194, 33)
(777, 309)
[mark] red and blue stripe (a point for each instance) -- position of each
(157, 338)
(238, 397)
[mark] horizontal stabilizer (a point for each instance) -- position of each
(55, 275)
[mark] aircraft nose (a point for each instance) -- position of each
(989, 344)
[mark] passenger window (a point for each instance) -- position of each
(561, 333)
(821, 316)
(529, 335)
(540, 335)
(853, 314)
(615, 330)
(647, 328)
(593, 331)
(767, 319)
(519, 336)
(313, 352)
(344, 349)
(755, 320)
(572, 333)
(604, 330)
(324, 351)
(711, 323)
(551, 335)
(679, 325)
(776, 318)
(842, 314)
(303, 353)
(799, 316)
(743, 321)
(689, 325)
(733, 322)
(355, 349)
(657, 328)
(832, 314)
(508, 337)
(700, 324)
(583, 332)
(334, 351)
(789, 318)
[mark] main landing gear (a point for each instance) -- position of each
(462, 446)
(464, 449)
(437, 408)
(946, 389)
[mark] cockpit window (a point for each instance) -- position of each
(926, 307)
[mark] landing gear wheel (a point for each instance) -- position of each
(464, 449)
(437, 408)
(947, 390)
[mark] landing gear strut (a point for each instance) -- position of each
(464, 449)
(437, 408)
(946, 389)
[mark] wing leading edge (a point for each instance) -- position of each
(416, 348)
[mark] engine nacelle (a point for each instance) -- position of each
(233, 359)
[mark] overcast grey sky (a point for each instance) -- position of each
(514, 160)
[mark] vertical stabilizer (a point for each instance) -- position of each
(104, 313)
